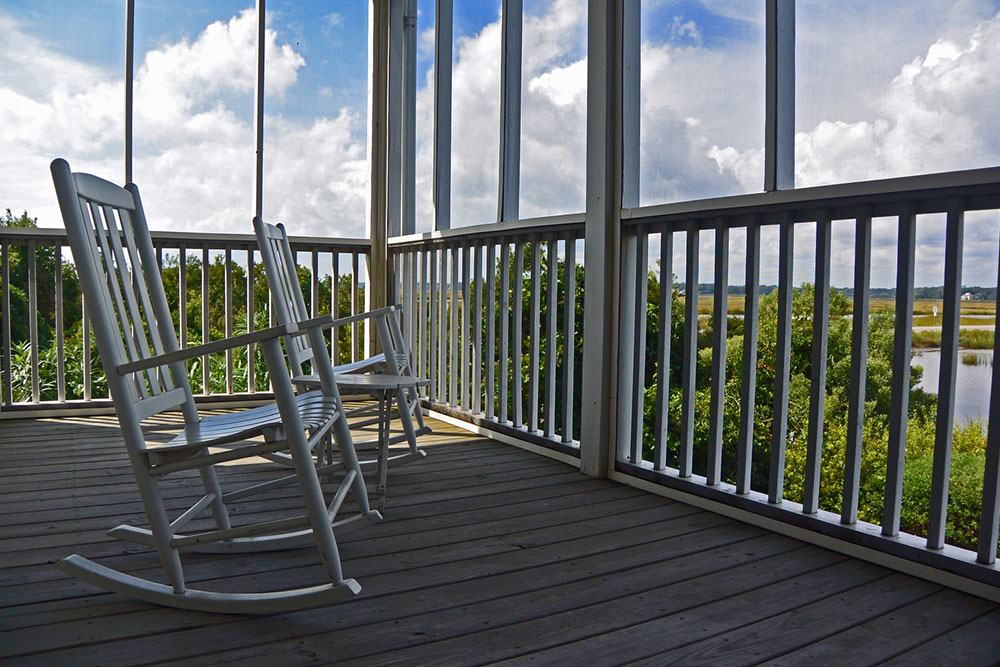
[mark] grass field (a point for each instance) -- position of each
(926, 307)
(922, 308)
(973, 339)
(923, 316)
(931, 321)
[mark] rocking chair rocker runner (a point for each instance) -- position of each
(398, 380)
(146, 374)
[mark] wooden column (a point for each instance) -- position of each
(129, 61)
(603, 229)
(376, 268)
(258, 116)
(442, 114)
(394, 123)
(409, 215)
(510, 110)
(779, 127)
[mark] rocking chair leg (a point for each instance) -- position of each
(159, 522)
(417, 412)
(219, 509)
(319, 520)
(342, 436)
(305, 467)
(404, 418)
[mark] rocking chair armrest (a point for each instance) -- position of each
(207, 348)
(327, 321)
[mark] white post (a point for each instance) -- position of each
(510, 110)
(410, 118)
(258, 116)
(376, 268)
(395, 111)
(442, 114)
(605, 176)
(779, 126)
(129, 60)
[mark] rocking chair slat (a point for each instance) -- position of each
(127, 270)
(107, 257)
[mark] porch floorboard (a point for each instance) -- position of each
(487, 553)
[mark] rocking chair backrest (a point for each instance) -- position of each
(282, 276)
(121, 282)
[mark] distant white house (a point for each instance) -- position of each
(968, 296)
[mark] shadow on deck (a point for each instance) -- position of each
(487, 553)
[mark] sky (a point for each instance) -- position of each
(882, 89)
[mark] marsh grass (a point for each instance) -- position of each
(931, 321)
(972, 339)
(926, 307)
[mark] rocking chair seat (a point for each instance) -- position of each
(316, 411)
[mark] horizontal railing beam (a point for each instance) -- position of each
(558, 224)
(214, 241)
(929, 193)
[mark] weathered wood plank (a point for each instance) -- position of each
(801, 623)
(975, 643)
(569, 612)
(894, 633)
(683, 625)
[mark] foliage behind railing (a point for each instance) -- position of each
(47, 354)
(495, 328)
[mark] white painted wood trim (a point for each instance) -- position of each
(442, 113)
(508, 198)
(779, 123)
(602, 235)
(394, 123)
(258, 115)
(129, 62)
(409, 118)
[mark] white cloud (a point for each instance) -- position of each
(562, 85)
(179, 86)
(52, 105)
(194, 140)
(940, 112)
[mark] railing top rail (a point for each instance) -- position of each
(512, 228)
(979, 189)
(194, 239)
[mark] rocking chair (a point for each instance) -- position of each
(398, 380)
(146, 374)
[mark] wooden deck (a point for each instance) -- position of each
(487, 553)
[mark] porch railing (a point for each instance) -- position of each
(43, 367)
(494, 318)
(662, 449)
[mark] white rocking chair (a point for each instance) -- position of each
(146, 374)
(289, 305)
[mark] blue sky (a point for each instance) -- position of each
(331, 36)
(661, 22)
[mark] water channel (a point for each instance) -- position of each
(972, 383)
